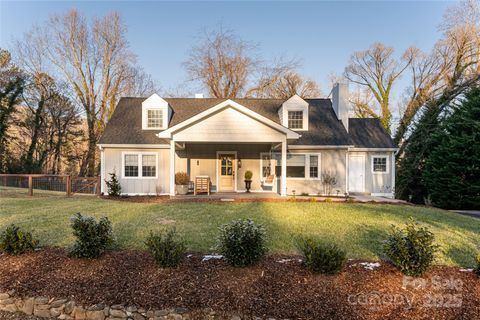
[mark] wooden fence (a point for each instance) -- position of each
(50, 182)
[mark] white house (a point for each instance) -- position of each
(289, 145)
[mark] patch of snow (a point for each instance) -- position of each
(368, 265)
(466, 270)
(288, 260)
(189, 255)
(209, 257)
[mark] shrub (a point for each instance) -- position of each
(113, 185)
(14, 240)
(321, 257)
(181, 178)
(242, 242)
(165, 248)
(248, 175)
(93, 237)
(477, 265)
(329, 181)
(411, 249)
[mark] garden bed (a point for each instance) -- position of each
(277, 287)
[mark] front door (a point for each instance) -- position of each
(356, 173)
(226, 172)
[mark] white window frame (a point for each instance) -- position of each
(145, 119)
(140, 160)
(387, 164)
(307, 164)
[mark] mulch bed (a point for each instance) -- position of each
(269, 289)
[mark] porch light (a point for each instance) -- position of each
(239, 163)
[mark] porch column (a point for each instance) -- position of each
(172, 168)
(283, 190)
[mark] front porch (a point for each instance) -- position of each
(225, 164)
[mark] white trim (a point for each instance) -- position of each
(363, 168)
(373, 149)
(304, 119)
(145, 119)
(387, 163)
(140, 157)
(172, 168)
(102, 170)
(135, 146)
(393, 163)
(234, 166)
(229, 103)
(315, 147)
(283, 186)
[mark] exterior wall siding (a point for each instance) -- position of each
(138, 186)
(377, 182)
(229, 125)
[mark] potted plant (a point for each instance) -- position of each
(248, 180)
(181, 182)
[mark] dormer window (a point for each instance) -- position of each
(154, 119)
(156, 113)
(294, 114)
(295, 119)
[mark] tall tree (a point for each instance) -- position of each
(228, 67)
(452, 171)
(376, 69)
(285, 84)
(95, 60)
(12, 82)
(452, 67)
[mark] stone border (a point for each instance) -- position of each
(46, 307)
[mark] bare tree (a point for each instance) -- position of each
(96, 62)
(451, 68)
(222, 63)
(283, 85)
(377, 69)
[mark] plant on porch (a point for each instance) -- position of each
(181, 181)
(248, 180)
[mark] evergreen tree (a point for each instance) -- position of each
(113, 185)
(452, 171)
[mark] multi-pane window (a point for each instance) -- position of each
(149, 165)
(227, 165)
(295, 119)
(131, 165)
(313, 166)
(380, 164)
(154, 118)
(139, 165)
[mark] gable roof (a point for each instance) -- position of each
(125, 125)
(235, 105)
(369, 133)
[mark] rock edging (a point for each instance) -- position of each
(64, 309)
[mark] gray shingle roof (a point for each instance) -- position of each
(125, 125)
(369, 133)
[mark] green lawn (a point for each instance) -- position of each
(359, 228)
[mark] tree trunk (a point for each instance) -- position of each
(30, 167)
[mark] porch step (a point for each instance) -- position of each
(227, 199)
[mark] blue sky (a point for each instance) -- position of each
(322, 35)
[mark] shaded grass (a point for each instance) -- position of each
(359, 228)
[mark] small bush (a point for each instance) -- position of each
(248, 175)
(113, 185)
(181, 179)
(165, 248)
(14, 240)
(411, 249)
(477, 265)
(321, 257)
(242, 242)
(93, 237)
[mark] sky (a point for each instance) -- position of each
(321, 35)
